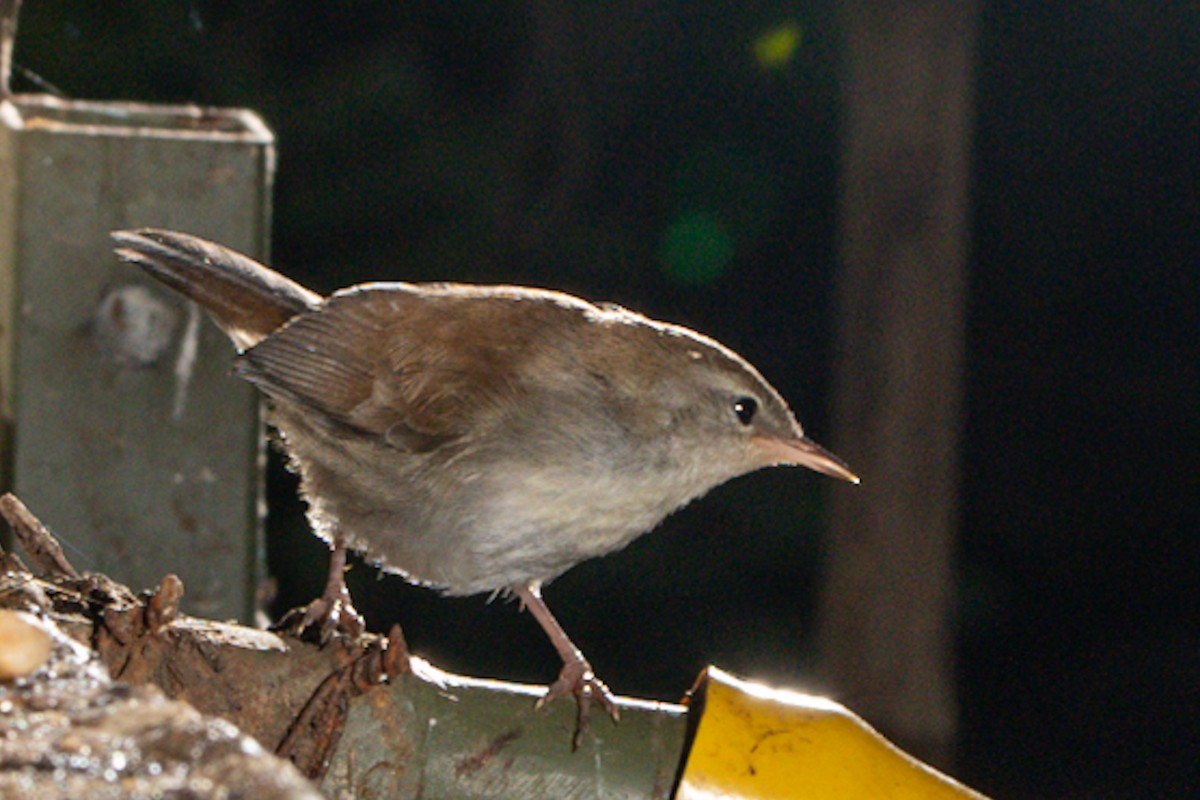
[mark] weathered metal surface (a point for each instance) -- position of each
(125, 428)
(435, 735)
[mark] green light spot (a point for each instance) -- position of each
(696, 248)
(775, 47)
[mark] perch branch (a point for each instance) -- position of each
(36, 540)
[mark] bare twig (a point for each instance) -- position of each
(313, 736)
(9, 9)
(162, 607)
(36, 540)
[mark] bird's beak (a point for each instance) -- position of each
(804, 452)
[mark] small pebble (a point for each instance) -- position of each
(24, 644)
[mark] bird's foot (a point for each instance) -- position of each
(331, 614)
(577, 678)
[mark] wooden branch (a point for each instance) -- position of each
(360, 716)
(36, 540)
(68, 730)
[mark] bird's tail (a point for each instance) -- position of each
(248, 301)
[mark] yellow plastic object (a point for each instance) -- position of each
(753, 742)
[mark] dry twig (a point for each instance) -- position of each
(36, 540)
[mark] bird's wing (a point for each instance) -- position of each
(388, 362)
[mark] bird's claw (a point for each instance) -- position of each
(323, 618)
(578, 679)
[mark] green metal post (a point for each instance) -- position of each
(126, 431)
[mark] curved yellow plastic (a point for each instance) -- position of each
(753, 742)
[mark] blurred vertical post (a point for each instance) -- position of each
(125, 431)
(885, 631)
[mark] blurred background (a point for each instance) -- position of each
(688, 159)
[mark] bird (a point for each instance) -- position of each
(482, 439)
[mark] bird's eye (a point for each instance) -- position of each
(745, 408)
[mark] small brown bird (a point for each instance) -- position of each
(482, 438)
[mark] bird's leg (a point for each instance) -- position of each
(332, 612)
(576, 677)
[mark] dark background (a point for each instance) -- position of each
(647, 153)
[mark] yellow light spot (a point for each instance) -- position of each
(775, 47)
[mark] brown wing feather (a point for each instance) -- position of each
(313, 360)
(385, 361)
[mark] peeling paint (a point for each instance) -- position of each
(185, 363)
